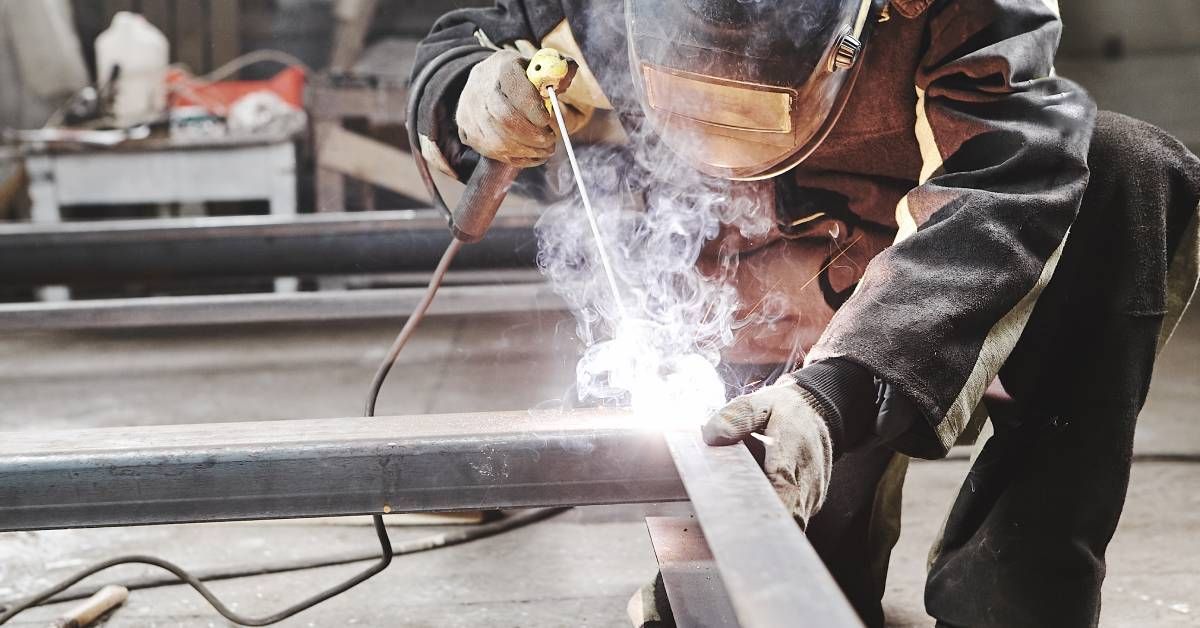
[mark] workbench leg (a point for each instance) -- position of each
(45, 211)
(331, 190)
(331, 184)
(283, 200)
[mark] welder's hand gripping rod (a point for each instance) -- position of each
(489, 183)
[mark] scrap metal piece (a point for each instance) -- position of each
(306, 468)
(772, 574)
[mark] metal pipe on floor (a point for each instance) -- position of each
(251, 246)
(274, 307)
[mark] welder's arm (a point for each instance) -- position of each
(1004, 144)
(510, 23)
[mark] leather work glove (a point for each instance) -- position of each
(799, 449)
(501, 114)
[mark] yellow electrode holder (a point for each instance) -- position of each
(550, 68)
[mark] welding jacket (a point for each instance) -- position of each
(938, 206)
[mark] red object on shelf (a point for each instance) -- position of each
(188, 91)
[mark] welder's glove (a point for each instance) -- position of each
(501, 114)
(799, 450)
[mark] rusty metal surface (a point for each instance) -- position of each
(286, 469)
(283, 469)
(689, 573)
(772, 574)
(251, 246)
(274, 307)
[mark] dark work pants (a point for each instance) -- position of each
(1024, 541)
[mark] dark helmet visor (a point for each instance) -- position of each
(745, 89)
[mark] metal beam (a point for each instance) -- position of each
(772, 574)
(274, 307)
(283, 469)
(689, 574)
(251, 246)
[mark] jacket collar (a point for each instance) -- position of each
(911, 8)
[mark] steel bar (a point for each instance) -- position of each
(771, 573)
(273, 307)
(304, 468)
(255, 246)
(284, 469)
(421, 279)
(689, 574)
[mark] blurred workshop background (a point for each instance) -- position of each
(251, 255)
(328, 137)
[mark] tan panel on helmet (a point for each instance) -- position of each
(723, 103)
(728, 152)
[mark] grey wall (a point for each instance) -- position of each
(1141, 58)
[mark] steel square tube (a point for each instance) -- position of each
(306, 468)
(689, 573)
(772, 574)
(251, 246)
(274, 307)
(285, 469)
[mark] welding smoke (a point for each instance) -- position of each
(658, 348)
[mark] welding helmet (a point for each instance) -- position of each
(746, 89)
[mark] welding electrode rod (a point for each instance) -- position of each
(587, 202)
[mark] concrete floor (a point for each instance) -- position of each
(577, 569)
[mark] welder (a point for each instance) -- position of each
(994, 233)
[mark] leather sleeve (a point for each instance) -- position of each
(485, 29)
(1004, 144)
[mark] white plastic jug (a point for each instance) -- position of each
(141, 52)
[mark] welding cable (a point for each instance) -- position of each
(415, 546)
(410, 325)
(386, 551)
(194, 582)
